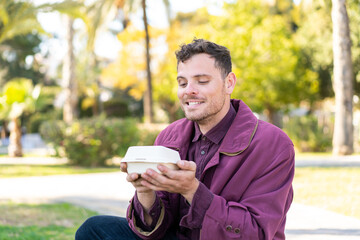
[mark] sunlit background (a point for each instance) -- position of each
(81, 81)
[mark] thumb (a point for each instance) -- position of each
(186, 165)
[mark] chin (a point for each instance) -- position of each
(194, 118)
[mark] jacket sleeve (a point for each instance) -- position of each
(164, 220)
(261, 211)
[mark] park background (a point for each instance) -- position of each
(81, 81)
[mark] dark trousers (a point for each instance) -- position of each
(109, 228)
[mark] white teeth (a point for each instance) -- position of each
(193, 103)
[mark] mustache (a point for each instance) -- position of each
(192, 98)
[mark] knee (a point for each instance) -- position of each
(86, 230)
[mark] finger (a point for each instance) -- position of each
(132, 177)
(123, 167)
(153, 185)
(151, 177)
(149, 185)
(186, 165)
(157, 179)
(166, 171)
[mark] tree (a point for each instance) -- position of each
(343, 80)
(128, 7)
(69, 82)
(18, 96)
(17, 23)
(98, 15)
(17, 18)
(269, 65)
(315, 38)
(148, 99)
(14, 56)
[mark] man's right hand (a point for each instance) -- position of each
(146, 196)
(135, 180)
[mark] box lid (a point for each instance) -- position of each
(151, 154)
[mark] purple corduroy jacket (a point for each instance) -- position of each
(250, 178)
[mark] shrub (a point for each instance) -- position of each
(53, 132)
(34, 121)
(308, 135)
(90, 142)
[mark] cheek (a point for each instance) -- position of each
(180, 94)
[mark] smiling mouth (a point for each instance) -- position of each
(193, 103)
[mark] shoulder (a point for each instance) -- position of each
(176, 126)
(273, 147)
(270, 135)
(174, 131)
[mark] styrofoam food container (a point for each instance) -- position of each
(140, 158)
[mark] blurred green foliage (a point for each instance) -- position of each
(282, 56)
(308, 135)
(45, 110)
(17, 58)
(91, 142)
(267, 62)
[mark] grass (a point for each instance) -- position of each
(11, 171)
(41, 222)
(335, 189)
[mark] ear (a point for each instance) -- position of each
(230, 82)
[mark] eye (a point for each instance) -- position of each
(182, 83)
(204, 82)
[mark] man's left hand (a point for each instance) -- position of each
(180, 181)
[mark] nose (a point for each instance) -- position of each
(191, 89)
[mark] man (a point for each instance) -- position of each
(236, 181)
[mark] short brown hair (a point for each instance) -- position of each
(220, 53)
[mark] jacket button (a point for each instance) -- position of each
(228, 228)
(237, 230)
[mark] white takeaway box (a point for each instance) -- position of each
(140, 158)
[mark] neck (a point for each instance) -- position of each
(207, 124)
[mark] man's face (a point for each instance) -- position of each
(201, 90)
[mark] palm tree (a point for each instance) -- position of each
(18, 96)
(343, 80)
(69, 81)
(71, 10)
(17, 18)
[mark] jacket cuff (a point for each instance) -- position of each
(139, 213)
(137, 226)
(200, 204)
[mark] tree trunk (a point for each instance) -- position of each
(343, 80)
(4, 129)
(148, 101)
(15, 148)
(69, 81)
(171, 108)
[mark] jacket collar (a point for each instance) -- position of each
(241, 131)
(236, 140)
